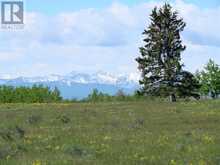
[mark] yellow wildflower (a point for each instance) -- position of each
(57, 147)
(173, 162)
(37, 162)
(107, 138)
(208, 139)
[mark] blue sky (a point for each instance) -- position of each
(53, 7)
(100, 35)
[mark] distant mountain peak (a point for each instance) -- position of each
(99, 77)
(79, 85)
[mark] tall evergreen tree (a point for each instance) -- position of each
(160, 60)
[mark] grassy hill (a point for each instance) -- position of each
(110, 133)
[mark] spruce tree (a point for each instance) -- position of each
(160, 60)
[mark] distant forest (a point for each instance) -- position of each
(34, 94)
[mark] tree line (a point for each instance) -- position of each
(98, 96)
(34, 94)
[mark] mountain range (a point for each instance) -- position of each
(79, 85)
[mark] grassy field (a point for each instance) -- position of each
(127, 133)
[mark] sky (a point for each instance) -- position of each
(100, 35)
(53, 7)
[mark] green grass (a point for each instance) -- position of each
(126, 133)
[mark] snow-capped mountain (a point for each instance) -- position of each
(79, 85)
(102, 78)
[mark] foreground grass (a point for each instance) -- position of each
(110, 133)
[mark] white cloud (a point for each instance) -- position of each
(202, 24)
(106, 39)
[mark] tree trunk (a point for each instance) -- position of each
(214, 95)
(172, 98)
